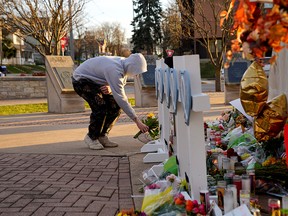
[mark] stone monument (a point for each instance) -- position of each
(144, 85)
(60, 93)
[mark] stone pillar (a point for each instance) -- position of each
(60, 93)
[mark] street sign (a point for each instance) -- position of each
(64, 42)
(169, 52)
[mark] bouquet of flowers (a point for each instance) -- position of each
(169, 199)
(166, 203)
(152, 122)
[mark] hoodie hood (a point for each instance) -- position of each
(135, 64)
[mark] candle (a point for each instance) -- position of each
(220, 166)
(245, 198)
(221, 185)
(251, 174)
(274, 207)
(226, 163)
(238, 182)
(233, 188)
(228, 200)
(246, 182)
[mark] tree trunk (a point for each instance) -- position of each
(218, 80)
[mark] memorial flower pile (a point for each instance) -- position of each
(152, 122)
(169, 195)
(217, 130)
(174, 205)
(131, 212)
(267, 158)
(258, 29)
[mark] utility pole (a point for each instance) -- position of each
(71, 39)
(1, 41)
(133, 8)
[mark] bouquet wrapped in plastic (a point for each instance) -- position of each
(152, 122)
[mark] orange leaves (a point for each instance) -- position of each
(258, 29)
(229, 55)
(279, 31)
(282, 3)
(223, 16)
(284, 18)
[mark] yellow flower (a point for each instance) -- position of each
(150, 115)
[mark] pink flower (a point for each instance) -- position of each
(171, 178)
(153, 186)
(195, 210)
(202, 209)
(195, 203)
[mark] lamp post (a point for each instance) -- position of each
(1, 41)
(71, 39)
(133, 8)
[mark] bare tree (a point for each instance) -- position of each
(201, 22)
(79, 43)
(47, 21)
(171, 28)
(90, 42)
(114, 36)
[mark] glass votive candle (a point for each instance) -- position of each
(238, 182)
(233, 188)
(245, 198)
(228, 200)
(233, 160)
(246, 182)
(220, 163)
(226, 163)
(274, 207)
(221, 186)
(251, 173)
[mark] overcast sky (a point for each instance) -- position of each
(99, 11)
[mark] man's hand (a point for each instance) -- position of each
(142, 127)
(106, 89)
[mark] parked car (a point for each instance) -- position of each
(267, 65)
(3, 70)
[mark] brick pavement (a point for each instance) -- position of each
(42, 184)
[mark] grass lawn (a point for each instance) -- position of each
(34, 108)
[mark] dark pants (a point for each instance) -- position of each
(105, 110)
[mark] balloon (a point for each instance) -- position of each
(272, 119)
(254, 89)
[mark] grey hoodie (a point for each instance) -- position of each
(113, 71)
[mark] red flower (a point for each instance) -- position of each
(178, 201)
(189, 205)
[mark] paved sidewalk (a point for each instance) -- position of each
(43, 184)
(46, 168)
